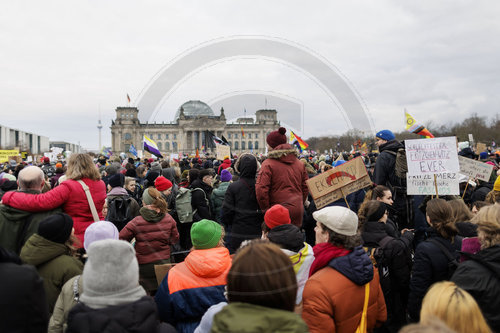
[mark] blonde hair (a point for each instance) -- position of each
(488, 221)
(81, 166)
(455, 307)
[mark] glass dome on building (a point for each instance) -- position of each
(195, 109)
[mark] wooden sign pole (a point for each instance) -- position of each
(345, 199)
(436, 185)
(466, 185)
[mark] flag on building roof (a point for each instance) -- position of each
(242, 132)
(296, 140)
(150, 145)
(128, 98)
(414, 127)
(132, 150)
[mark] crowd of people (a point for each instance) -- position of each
(201, 245)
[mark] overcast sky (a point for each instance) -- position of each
(62, 61)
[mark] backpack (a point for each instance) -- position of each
(49, 170)
(400, 168)
(183, 205)
(380, 261)
(452, 261)
(119, 211)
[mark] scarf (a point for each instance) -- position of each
(323, 254)
(151, 215)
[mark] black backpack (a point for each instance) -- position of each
(452, 261)
(49, 170)
(119, 211)
(398, 177)
(379, 260)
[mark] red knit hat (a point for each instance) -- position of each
(162, 183)
(277, 215)
(276, 138)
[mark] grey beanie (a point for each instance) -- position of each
(155, 166)
(111, 274)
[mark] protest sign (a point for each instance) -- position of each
(174, 156)
(480, 147)
(222, 151)
(5, 154)
(447, 183)
(432, 156)
(338, 182)
(475, 169)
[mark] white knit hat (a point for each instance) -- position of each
(111, 274)
(339, 219)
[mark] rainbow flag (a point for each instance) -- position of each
(242, 132)
(296, 140)
(414, 127)
(150, 145)
(106, 152)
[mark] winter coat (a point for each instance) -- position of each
(334, 296)
(53, 264)
(54, 180)
(240, 210)
(291, 240)
(354, 199)
(16, 226)
(480, 276)
(192, 286)
(65, 302)
(224, 165)
(70, 195)
(139, 316)
(23, 306)
(384, 168)
(218, 199)
(251, 318)
(396, 257)
(117, 192)
(201, 200)
(153, 236)
(282, 180)
(430, 266)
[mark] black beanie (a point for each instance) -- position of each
(56, 228)
(131, 173)
(117, 180)
(377, 215)
(204, 172)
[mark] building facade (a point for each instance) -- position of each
(11, 138)
(188, 131)
(72, 147)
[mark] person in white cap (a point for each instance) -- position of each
(343, 291)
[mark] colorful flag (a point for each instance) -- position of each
(106, 152)
(414, 127)
(215, 139)
(150, 145)
(242, 132)
(132, 150)
(197, 153)
(296, 140)
(128, 98)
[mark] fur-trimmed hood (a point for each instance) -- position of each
(286, 153)
(247, 165)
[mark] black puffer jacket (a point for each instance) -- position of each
(384, 167)
(139, 316)
(240, 211)
(287, 236)
(430, 266)
(480, 276)
(201, 200)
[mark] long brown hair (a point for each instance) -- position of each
(81, 166)
(158, 200)
(440, 216)
(262, 274)
(460, 211)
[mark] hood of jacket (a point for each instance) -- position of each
(221, 190)
(209, 263)
(197, 183)
(39, 250)
(246, 317)
(373, 232)
(491, 256)
(285, 153)
(247, 166)
(138, 316)
(392, 145)
(356, 266)
(287, 236)
(13, 214)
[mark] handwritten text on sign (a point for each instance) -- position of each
(430, 156)
(475, 169)
(359, 184)
(5, 154)
(447, 184)
(222, 151)
(336, 178)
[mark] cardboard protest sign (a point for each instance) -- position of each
(338, 182)
(447, 184)
(475, 169)
(222, 151)
(432, 156)
(5, 154)
(480, 147)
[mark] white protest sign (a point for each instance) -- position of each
(432, 156)
(475, 169)
(447, 184)
(222, 151)
(174, 156)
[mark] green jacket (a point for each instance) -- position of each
(250, 318)
(53, 264)
(218, 199)
(16, 225)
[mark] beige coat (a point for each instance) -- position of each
(65, 302)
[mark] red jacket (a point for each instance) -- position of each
(282, 180)
(153, 239)
(70, 195)
(224, 165)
